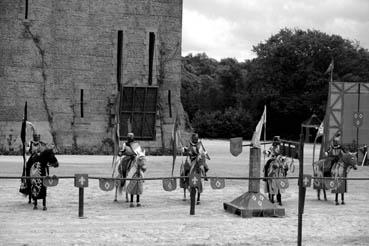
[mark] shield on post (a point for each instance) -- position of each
(51, 181)
(282, 184)
(195, 180)
(330, 184)
(106, 184)
(235, 146)
(217, 183)
(169, 184)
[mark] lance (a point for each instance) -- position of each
(23, 138)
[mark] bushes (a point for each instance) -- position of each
(217, 124)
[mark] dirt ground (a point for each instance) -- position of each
(164, 218)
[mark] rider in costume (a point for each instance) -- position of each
(193, 151)
(273, 152)
(127, 148)
(334, 151)
(36, 146)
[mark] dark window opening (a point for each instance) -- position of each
(137, 112)
(81, 102)
(26, 10)
(151, 55)
(119, 58)
(170, 103)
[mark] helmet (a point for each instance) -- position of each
(276, 140)
(36, 137)
(195, 138)
(130, 136)
(337, 138)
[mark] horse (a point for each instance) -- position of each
(275, 168)
(195, 167)
(37, 167)
(341, 168)
(123, 165)
(184, 182)
(135, 187)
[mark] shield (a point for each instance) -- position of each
(282, 184)
(235, 146)
(330, 184)
(358, 118)
(195, 180)
(106, 184)
(51, 181)
(169, 184)
(217, 183)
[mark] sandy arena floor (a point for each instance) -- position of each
(164, 218)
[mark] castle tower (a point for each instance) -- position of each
(71, 59)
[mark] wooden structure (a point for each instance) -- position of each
(347, 111)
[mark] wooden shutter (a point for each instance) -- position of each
(138, 112)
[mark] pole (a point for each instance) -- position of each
(80, 203)
(302, 190)
(193, 200)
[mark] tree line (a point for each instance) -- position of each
(226, 98)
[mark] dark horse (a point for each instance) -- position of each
(275, 168)
(196, 167)
(37, 167)
(339, 169)
(133, 167)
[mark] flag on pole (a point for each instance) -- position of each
(330, 70)
(259, 127)
(330, 67)
(176, 140)
(320, 130)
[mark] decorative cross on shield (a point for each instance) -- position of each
(169, 184)
(51, 181)
(195, 180)
(306, 180)
(106, 184)
(217, 183)
(235, 146)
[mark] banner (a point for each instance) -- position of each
(256, 137)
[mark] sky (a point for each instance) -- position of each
(230, 28)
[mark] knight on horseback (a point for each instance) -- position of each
(273, 152)
(127, 150)
(334, 152)
(193, 151)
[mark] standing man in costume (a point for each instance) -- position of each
(194, 150)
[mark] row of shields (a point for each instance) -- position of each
(107, 184)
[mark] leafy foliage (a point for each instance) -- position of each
(288, 75)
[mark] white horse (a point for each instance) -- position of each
(122, 167)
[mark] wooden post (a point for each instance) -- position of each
(193, 200)
(302, 190)
(80, 203)
(254, 169)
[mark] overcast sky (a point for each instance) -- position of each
(229, 28)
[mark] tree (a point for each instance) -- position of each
(288, 75)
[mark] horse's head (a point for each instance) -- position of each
(141, 158)
(47, 156)
(349, 160)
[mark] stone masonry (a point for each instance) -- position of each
(53, 51)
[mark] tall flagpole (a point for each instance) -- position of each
(264, 132)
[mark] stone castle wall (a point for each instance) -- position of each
(63, 47)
